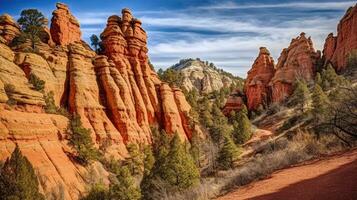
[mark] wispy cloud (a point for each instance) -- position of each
(221, 35)
(296, 5)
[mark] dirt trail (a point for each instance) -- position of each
(332, 178)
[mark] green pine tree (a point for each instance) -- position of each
(125, 188)
(136, 160)
(300, 95)
(97, 192)
(18, 180)
(318, 79)
(320, 104)
(149, 160)
(37, 82)
(195, 149)
(81, 141)
(179, 168)
(228, 153)
(241, 127)
(32, 24)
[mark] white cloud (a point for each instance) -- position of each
(296, 5)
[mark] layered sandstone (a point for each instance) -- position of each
(337, 48)
(149, 102)
(64, 27)
(118, 97)
(234, 102)
(203, 77)
(9, 29)
(257, 83)
(298, 61)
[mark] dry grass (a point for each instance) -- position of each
(276, 154)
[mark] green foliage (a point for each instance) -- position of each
(228, 153)
(352, 60)
(81, 141)
(241, 126)
(95, 42)
(36, 82)
(32, 24)
(180, 169)
(9, 90)
(97, 192)
(136, 160)
(195, 149)
(171, 76)
(51, 107)
(300, 95)
(318, 79)
(125, 188)
(18, 180)
(320, 104)
(149, 160)
(330, 79)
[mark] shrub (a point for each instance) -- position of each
(81, 141)
(36, 82)
(228, 154)
(18, 179)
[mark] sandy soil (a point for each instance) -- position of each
(331, 178)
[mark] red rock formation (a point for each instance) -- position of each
(64, 27)
(9, 29)
(257, 82)
(151, 102)
(233, 103)
(337, 48)
(295, 62)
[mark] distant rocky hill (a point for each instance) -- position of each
(204, 76)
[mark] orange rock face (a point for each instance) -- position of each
(141, 96)
(257, 83)
(295, 62)
(9, 29)
(337, 48)
(64, 27)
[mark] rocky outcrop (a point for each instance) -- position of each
(298, 61)
(202, 76)
(257, 83)
(337, 48)
(118, 97)
(234, 102)
(9, 29)
(149, 102)
(64, 27)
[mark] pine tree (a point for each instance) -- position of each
(300, 95)
(32, 24)
(228, 153)
(18, 180)
(97, 192)
(136, 160)
(180, 169)
(95, 42)
(81, 141)
(318, 79)
(241, 127)
(320, 104)
(149, 160)
(125, 188)
(195, 149)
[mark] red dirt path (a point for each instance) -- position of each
(332, 178)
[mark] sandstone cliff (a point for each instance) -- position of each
(202, 76)
(256, 85)
(298, 61)
(118, 96)
(337, 48)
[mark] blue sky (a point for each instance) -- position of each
(227, 33)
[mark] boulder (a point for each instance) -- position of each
(9, 29)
